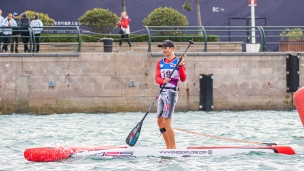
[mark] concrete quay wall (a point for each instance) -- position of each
(102, 82)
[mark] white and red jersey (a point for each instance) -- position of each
(164, 67)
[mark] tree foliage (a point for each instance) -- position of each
(165, 17)
(186, 6)
(46, 20)
(99, 20)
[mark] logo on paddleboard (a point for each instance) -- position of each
(113, 154)
(125, 154)
(185, 152)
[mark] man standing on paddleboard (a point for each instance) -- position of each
(169, 95)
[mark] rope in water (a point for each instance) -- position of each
(218, 137)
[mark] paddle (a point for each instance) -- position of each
(134, 134)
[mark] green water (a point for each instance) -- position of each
(19, 132)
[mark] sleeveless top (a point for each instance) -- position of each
(166, 69)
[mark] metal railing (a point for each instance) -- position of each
(52, 33)
(268, 38)
(7, 32)
(175, 32)
(73, 32)
(278, 38)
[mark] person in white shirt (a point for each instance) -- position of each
(15, 34)
(37, 27)
(1, 34)
(7, 23)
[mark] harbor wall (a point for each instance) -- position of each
(124, 82)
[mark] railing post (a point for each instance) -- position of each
(262, 39)
(79, 39)
(149, 39)
(205, 39)
(32, 39)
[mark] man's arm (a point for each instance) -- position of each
(182, 72)
(158, 78)
(41, 25)
(14, 23)
(5, 24)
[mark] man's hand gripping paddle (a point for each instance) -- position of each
(134, 134)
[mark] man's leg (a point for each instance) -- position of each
(170, 133)
(167, 131)
(23, 40)
(5, 42)
(26, 45)
(162, 128)
(17, 42)
(37, 38)
(12, 43)
(9, 40)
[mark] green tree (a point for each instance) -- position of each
(187, 7)
(46, 20)
(165, 17)
(99, 20)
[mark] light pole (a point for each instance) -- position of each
(252, 4)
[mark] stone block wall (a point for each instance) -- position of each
(100, 82)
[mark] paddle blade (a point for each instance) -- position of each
(134, 134)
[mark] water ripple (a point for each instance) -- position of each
(19, 132)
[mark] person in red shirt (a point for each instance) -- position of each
(169, 95)
(124, 31)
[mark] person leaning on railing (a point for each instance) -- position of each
(37, 27)
(1, 34)
(15, 37)
(24, 24)
(7, 32)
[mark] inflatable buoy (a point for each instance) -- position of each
(298, 98)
